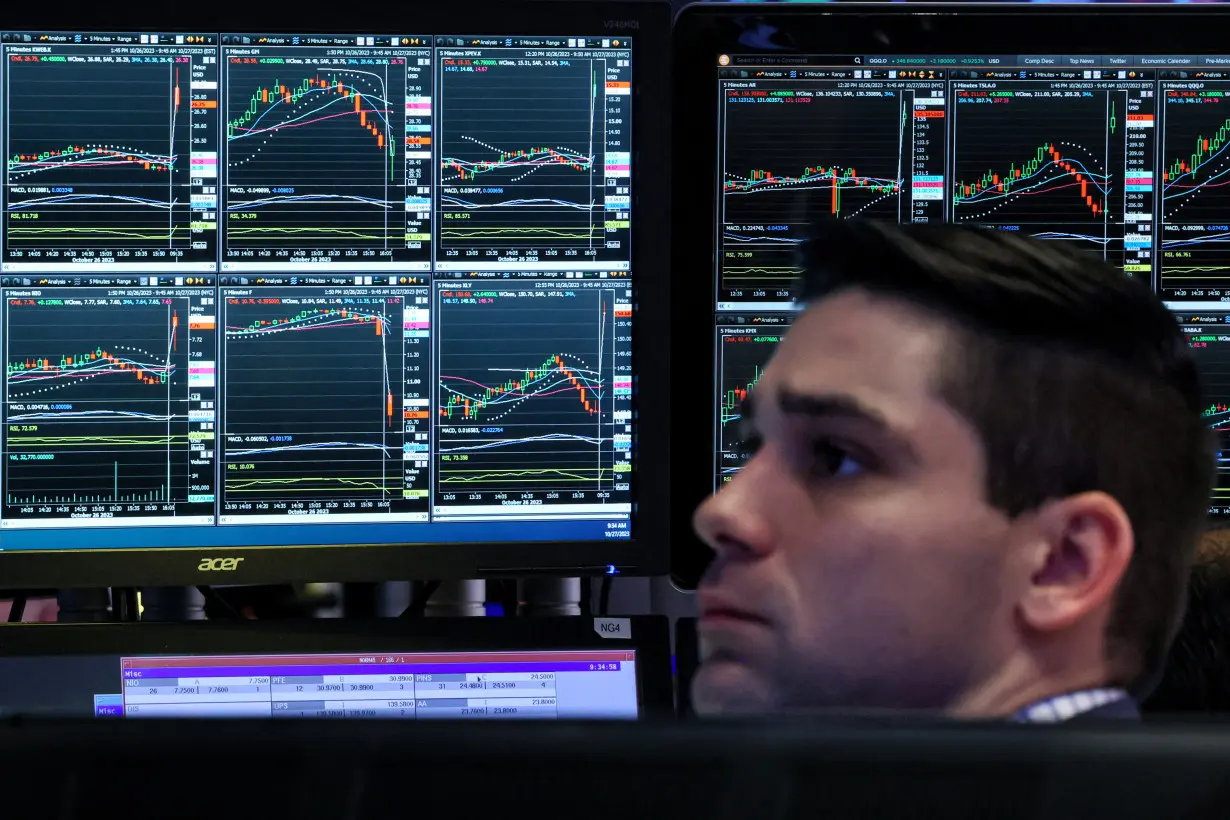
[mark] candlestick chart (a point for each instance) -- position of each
(1210, 343)
(743, 354)
(793, 153)
(97, 404)
(316, 165)
(533, 395)
(97, 164)
(1064, 166)
(1195, 196)
(312, 403)
(523, 160)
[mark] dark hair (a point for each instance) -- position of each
(1197, 673)
(1075, 376)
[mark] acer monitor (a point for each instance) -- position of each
(364, 301)
(422, 668)
(1101, 128)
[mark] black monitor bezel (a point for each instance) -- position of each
(648, 635)
(647, 24)
(703, 31)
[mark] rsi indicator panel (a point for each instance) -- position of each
(285, 152)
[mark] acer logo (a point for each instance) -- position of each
(218, 564)
(621, 24)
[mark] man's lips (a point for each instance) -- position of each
(716, 610)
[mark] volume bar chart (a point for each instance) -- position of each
(534, 398)
(105, 159)
(102, 423)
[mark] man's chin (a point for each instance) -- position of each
(724, 686)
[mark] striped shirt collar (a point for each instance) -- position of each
(1067, 706)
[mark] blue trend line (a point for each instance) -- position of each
(782, 239)
(325, 445)
(60, 200)
(507, 442)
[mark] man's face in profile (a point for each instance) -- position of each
(858, 563)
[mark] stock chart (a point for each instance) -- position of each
(1209, 337)
(743, 352)
(1195, 207)
(314, 407)
(316, 159)
(534, 157)
(534, 397)
(101, 420)
(100, 156)
(797, 151)
(1064, 162)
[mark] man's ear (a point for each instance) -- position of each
(1085, 546)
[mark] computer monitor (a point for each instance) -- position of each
(286, 302)
(417, 668)
(1102, 129)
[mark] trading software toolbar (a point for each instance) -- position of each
(272, 278)
(1125, 157)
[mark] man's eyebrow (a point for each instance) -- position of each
(840, 405)
(846, 407)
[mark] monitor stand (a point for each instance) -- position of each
(172, 604)
(84, 606)
(458, 599)
(540, 597)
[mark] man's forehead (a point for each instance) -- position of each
(876, 350)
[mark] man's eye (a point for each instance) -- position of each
(831, 460)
